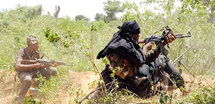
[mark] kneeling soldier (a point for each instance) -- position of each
(27, 70)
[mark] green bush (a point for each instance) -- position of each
(204, 95)
(79, 42)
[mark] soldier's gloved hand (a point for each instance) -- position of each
(39, 65)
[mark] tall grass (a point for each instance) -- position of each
(77, 40)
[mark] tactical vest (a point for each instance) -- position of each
(27, 56)
(121, 67)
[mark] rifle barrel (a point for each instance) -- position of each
(182, 36)
(179, 57)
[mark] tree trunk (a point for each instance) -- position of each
(212, 19)
(57, 10)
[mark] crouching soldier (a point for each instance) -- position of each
(27, 70)
(125, 57)
(162, 63)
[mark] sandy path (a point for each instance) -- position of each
(81, 82)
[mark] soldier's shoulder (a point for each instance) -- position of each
(21, 51)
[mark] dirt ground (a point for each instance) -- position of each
(80, 82)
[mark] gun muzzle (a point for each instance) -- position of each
(182, 36)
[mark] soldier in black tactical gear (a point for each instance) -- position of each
(126, 58)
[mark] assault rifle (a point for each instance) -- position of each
(160, 40)
(47, 63)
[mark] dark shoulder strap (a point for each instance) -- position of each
(27, 54)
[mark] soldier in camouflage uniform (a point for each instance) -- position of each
(27, 71)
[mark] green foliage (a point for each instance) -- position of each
(131, 12)
(164, 98)
(31, 101)
(81, 17)
(79, 42)
(79, 93)
(117, 97)
(23, 13)
(201, 96)
(51, 37)
(112, 8)
(99, 17)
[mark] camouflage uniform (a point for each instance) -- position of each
(26, 77)
(121, 67)
(125, 75)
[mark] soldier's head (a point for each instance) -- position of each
(32, 42)
(132, 28)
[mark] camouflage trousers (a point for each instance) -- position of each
(26, 78)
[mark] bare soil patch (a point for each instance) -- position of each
(81, 82)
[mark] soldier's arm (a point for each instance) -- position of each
(150, 54)
(141, 41)
(23, 67)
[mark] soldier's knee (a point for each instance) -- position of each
(143, 69)
(53, 71)
(27, 80)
